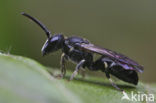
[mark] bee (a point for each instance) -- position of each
(81, 51)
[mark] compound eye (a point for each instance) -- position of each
(54, 39)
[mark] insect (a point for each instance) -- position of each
(81, 51)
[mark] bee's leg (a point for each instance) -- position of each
(78, 66)
(111, 81)
(62, 63)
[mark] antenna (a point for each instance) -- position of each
(39, 23)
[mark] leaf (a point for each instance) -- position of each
(93, 89)
(96, 90)
(23, 80)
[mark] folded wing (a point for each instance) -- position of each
(116, 57)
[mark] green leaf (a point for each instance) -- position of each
(23, 80)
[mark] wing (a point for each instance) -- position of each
(116, 57)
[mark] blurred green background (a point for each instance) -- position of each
(128, 27)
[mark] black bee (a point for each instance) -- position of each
(80, 51)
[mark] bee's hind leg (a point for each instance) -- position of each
(111, 81)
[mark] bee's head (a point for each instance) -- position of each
(53, 43)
